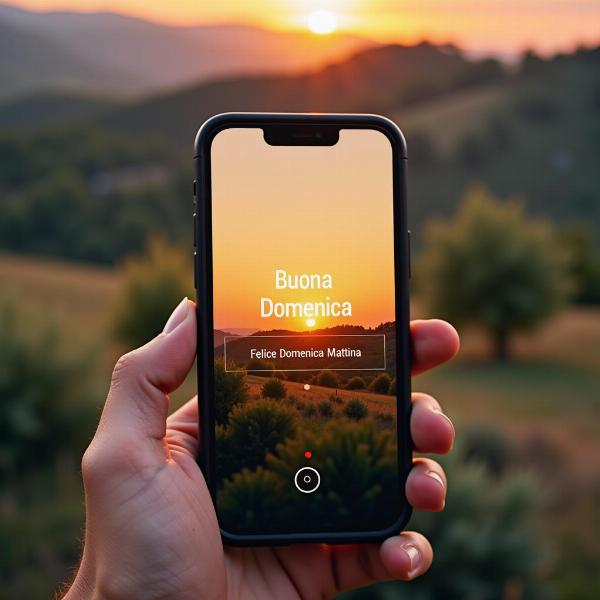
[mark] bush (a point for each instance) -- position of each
(356, 383)
(257, 427)
(328, 379)
(152, 286)
(231, 390)
(326, 409)
(484, 540)
(273, 388)
(356, 409)
(381, 384)
(251, 499)
(45, 408)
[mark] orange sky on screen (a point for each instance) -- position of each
(304, 210)
(479, 24)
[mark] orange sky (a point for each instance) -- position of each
(304, 210)
(501, 25)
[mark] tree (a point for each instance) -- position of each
(153, 284)
(493, 266)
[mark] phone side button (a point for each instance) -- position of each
(408, 244)
(195, 269)
(195, 230)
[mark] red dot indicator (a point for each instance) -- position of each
(307, 454)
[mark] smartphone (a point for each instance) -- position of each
(301, 269)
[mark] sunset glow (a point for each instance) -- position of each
(482, 25)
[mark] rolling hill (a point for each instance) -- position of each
(374, 80)
(126, 55)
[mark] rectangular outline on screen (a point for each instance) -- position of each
(244, 337)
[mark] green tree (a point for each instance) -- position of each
(328, 379)
(152, 285)
(493, 266)
(381, 384)
(273, 388)
(231, 389)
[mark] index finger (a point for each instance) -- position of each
(433, 342)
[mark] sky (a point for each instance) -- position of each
(305, 210)
(487, 25)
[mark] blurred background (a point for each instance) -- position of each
(500, 104)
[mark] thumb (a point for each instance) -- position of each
(137, 402)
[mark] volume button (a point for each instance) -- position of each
(408, 245)
(195, 230)
(196, 270)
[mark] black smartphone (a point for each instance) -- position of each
(301, 269)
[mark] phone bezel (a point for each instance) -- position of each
(203, 281)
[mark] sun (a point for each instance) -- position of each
(322, 22)
(310, 322)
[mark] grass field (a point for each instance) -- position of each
(377, 403)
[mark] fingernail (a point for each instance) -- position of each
(447, 418)
(414, 557)
(437, 477)
(177, 316)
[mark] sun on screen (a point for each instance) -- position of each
(310, 322)
(322, 22)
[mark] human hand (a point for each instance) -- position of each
(151, 528)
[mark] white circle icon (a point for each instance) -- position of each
(307, 480)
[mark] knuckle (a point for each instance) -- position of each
(126, 366)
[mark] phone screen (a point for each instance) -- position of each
(304, 314)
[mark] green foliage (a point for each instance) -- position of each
(356, 409)
(257, 427)
(326, 409)
(493, 266)
(231, 390)
(328, 379)
(485, 542)
(381, 384)
(273, 388)
(357, 464)
(45, 409)
(251, 499)
(356, 383)
(153, 285)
